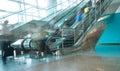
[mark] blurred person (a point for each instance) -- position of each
(79, 15)
(67, 31)
(38, 35)
(5, 29)
(7, 50)
(37, 32)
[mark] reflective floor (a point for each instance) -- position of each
(79, 61)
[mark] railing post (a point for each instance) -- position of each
(100, 8)
(62, 38)
(58, 52)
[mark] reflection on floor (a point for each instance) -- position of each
(79, 61)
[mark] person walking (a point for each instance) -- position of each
(7, 50)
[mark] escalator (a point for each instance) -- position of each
(70, 20)
(56, 40)
(58, 18)
(80, 30)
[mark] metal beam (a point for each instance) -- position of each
(27, 4)
(12, 13)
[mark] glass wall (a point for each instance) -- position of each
(21, 11)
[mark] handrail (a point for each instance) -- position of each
(67, 13)
(89, 25)
(82, 4)
(80, 38)
(61, 12)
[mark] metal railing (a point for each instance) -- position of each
(89, 20)
(82, 4)
(82, 28)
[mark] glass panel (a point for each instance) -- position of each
(0, 28)
(13, 19)
(8, 5)
(43, 13)
(32, 12)
(29, 10)
(43, 3)
(2, 14)
(59, 7)
(32, 2)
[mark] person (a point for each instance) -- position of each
(67, 31)
(86, 10)
(5, 29)
(38, 35)
(7, 50)
(79, 15)
(37, 32)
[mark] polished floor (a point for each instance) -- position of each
(79, 61)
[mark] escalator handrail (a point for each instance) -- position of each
(76, 7)
(80, 38)
(68, 13)
(64, 14)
